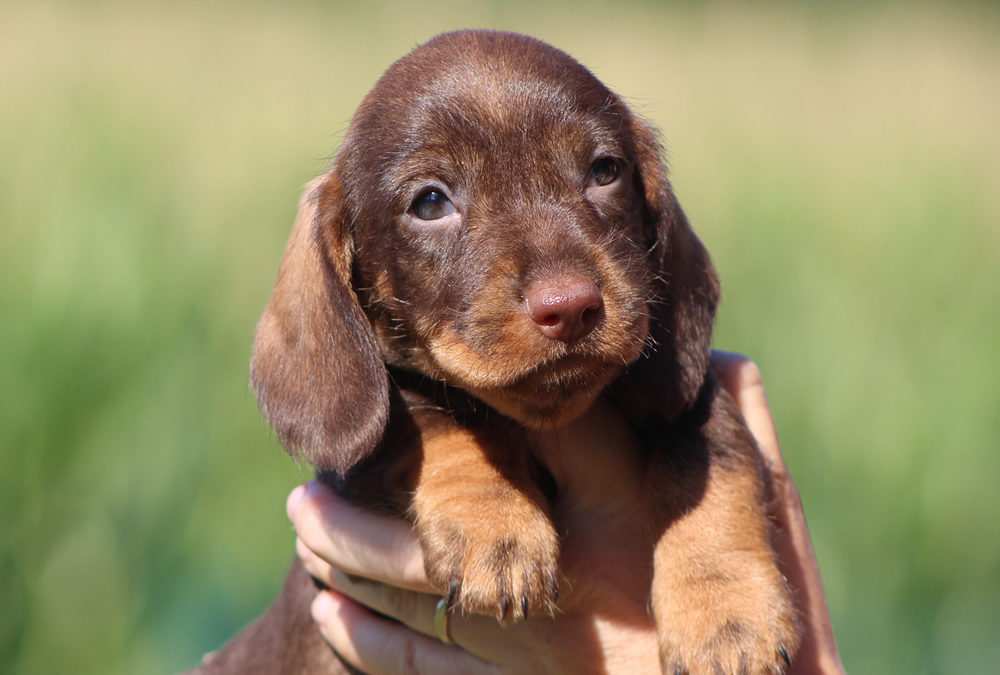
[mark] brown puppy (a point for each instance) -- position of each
(496, 246)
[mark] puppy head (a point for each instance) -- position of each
(498, 219)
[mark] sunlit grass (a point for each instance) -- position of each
(841, 165)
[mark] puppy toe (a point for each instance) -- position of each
(738, 623)
(508, 569)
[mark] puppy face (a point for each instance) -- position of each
(498, 219)
(486, 188)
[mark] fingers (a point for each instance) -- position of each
(315, 566)
(378, 646)
(374, 565)
(414, 609)
(472, 633)
(375, 561)
(355, 541)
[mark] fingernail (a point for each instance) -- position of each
(321, 607)
(295, 498)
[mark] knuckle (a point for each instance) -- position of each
(412, 657)
(399, 603)
(408, 658)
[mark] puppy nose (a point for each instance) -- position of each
(564, 310)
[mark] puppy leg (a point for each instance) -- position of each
(720, 603)
(283, 640)
(484, 525)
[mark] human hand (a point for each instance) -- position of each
(374, 562)
(597, 637)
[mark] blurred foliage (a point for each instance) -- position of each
(841, 162)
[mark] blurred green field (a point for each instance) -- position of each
(842, 164)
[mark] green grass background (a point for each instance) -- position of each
(841, 161)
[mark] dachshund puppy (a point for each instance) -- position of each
(496, 247)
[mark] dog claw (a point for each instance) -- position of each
(784, 656)
(452, 593)
(524, 606)
(504, 606)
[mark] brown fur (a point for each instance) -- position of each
(388, 330)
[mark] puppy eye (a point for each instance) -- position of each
(432, 205)
(603, 171)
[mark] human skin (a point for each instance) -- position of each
(374, 562)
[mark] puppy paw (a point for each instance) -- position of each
(733, 650)
(725, 623)
(493, 556)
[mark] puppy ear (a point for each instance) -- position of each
(686, 293)
(316, 367)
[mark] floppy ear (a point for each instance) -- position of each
(667, 379)
(316, 367)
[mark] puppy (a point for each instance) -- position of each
(496, 247)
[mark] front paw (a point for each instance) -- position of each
(493, 556)
(726, 622)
